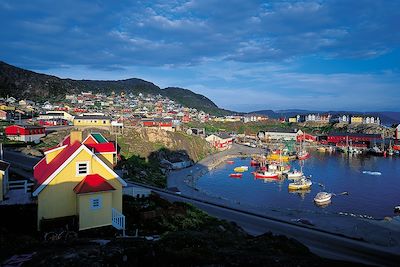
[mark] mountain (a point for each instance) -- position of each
(190, 99)
(27, 84)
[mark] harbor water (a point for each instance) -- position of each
(364, 185)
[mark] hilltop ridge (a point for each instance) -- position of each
(27, 84)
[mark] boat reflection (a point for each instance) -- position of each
(323, 204)
(300, 192)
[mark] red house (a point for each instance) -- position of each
(25, 133)
(162, 123)
(306, 137)
(220, 141)
(356, 139)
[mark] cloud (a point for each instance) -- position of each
(191, 31)
(217, 47)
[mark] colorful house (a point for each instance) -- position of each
(25, 133)
(76, 183)
(220, 141)
(3, 179)
(92, 120)
(5, 115)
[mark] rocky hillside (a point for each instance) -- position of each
(22, 83)
(144, 142)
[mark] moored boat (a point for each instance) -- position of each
(236, 175)
(230, 162)
(295, 174)
(240, 169)
(303, 154)
(254, 163)
(278, 157)
(323, 197)
(303, 183)
(265, 174)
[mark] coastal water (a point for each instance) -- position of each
(371, 195)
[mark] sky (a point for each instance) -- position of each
(244, 55)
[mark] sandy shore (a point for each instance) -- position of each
(381, 232)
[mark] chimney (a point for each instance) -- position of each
(75, 136)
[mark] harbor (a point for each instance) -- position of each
(362, 203)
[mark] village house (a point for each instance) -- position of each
(76, 183)
(220, 141)
(162, 123)
(279, 135)
(56, 114)
(5, 115)
(4, 166)
(25, 133)
(360, 119)
(92, 120)
(321, 118)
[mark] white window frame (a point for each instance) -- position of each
(99, 201)
(87, 168)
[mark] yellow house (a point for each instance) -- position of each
(76, 183)
(356, 119)
(92, 120)
(5, 107)
(293, 119)
(3, 179)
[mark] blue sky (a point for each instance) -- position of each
(244, 55)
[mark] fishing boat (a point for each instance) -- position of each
(303, 154)
(230, 162)
(236, 175)
(265, 174)
(254, 163)
(241, 169)
(376, 151)
(275, 156)
(295, 174)
(303, 183)
(323, 197)
(279, 168)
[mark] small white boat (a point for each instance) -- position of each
(295, 174)
(322, 197)
(303, 183)
(245, 167)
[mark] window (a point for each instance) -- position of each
(104, 122)
(95, 203)
(82, 168)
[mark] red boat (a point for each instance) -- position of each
(236, 175)
(230, 162)
(254, 163)
(265, 174)
(303, 155)
(396, 147)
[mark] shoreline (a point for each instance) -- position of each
(384, 232)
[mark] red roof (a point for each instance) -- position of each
(66, 140)
(42, 170)
(93, 183)
(90, 140)
(102, 147)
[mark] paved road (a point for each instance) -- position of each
(321, 243)
(20, 159)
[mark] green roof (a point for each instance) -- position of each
(99, 138)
